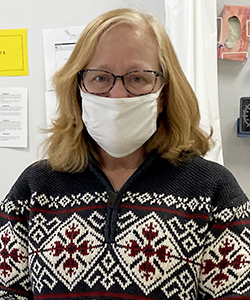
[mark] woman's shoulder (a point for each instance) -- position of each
(204, 169)
(33, 173)
(36, 170)
(41, 178)
(226, 188)
(199, 177)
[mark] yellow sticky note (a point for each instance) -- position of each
(13, 52)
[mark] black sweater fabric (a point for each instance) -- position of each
(171, 232)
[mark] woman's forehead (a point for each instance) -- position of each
(125, 44)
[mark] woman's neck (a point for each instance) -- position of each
(131, 161)
(118, 170)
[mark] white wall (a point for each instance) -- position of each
(36, 16)
(234, 83)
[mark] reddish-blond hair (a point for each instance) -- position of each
(178, 135)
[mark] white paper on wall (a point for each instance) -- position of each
(13, 117)
(58, 46)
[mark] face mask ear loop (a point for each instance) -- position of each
(82, 100)
(158, 93)
(79, 87)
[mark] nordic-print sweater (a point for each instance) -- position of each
(171, 232)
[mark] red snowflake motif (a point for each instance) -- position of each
(71, 248)
(6, 256)
(237, 263)
(146, 268)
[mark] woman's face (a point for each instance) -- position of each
(122, 49)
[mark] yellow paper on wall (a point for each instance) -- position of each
(13, 52)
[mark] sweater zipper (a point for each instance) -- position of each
(110, 215)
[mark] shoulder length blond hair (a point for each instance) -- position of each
(178, 135)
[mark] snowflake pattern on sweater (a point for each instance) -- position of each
(170, 234)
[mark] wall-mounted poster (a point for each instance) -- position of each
(13, 52)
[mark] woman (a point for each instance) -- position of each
(125, 207)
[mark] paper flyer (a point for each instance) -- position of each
(13, 117)
(13, 52)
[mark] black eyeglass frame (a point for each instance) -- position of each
(81, 73)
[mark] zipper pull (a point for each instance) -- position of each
(112, 198)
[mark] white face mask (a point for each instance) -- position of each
(120, 125)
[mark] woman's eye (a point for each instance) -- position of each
(100, 78)
(137, 79)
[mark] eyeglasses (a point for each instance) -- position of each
(139, 82)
